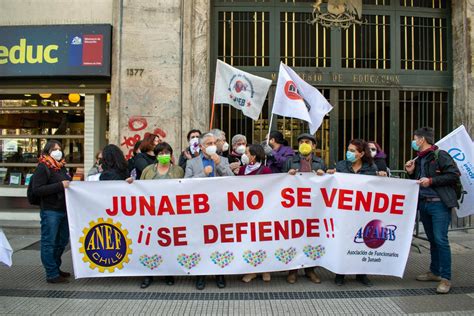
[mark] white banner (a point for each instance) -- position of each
(242, 90)
(460, 146)
(234, 225)
(296, 98)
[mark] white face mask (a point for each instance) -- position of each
(56, 154)
(225, 147)
(211, 150)
(245, 159)
(240, 150)
(373, 153)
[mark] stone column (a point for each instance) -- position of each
(160, 77)
(463, 64)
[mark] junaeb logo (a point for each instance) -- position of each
(457, 154)
(29, 54)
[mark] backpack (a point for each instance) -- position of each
(458, 188)
(32, 198)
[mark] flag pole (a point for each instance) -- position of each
(213, 106)
(269, 128)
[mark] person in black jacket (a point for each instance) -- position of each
(50, 181)
(113, 164)
(305, 161)
(192, 150)
(146, 156)
(437, 174)
(358, 161)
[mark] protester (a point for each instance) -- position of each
(239, 144)
(221, 143)
(131, 161)
(161, 169)
(50, 181)
(379, 157)
(305, 161)
(192, 150)
(277, 157)
(146, 156)
(208, 164)
(113, 164)
(252, 160)
(358, 161)
(437, 174)
(96, 167)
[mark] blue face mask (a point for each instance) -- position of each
(350, 156)
(414, 145)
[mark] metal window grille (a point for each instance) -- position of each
(418, 109)
(244, 38)
(367, 45)
(376, 2)
(423, 43)
(435, 4)
(364, 114)
(303, 44)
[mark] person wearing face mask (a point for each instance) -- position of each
(239, 144)
(305, 161)
(161, 169)
(252, 161)
(208, 164)
(358, 161)
(437, 174)
(50, 181)
(280, 152)
(192, 150)
(379, 157)
(221, 143)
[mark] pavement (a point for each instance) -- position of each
(24, 291)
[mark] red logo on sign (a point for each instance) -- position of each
(291, 91)
(92, 50)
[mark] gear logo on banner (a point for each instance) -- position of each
(105, 245)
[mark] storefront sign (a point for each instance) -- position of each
(55, 50)
(234, 225)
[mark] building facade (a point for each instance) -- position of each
(407, 63)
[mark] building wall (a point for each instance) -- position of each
(40, 12)
(463, 60)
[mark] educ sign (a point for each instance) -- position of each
(55, 50)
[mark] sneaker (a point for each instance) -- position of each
(266, 277)
(292, 276)
(312, 276)
(428, 276)
(58, 279)
(443, 287)
(249, 277)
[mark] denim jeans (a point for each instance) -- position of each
(436, 217)
(54, 238)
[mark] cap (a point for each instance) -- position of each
(307, 136)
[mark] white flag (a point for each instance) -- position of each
(240, 89)
(460, 146)
(296, 98)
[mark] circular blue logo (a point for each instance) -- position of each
(457, 154)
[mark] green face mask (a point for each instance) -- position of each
(164, 159)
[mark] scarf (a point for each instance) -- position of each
(51, 163)
(425, 152)
(252, 168)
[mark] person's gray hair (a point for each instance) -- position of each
(238, 138)
(203, 137)
(218, 134)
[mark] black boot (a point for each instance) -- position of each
(200, 282)
(146, 282)
(362, 278)
(220, 281)
(339, 280)
(169, 280)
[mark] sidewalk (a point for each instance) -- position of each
(23, 290)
